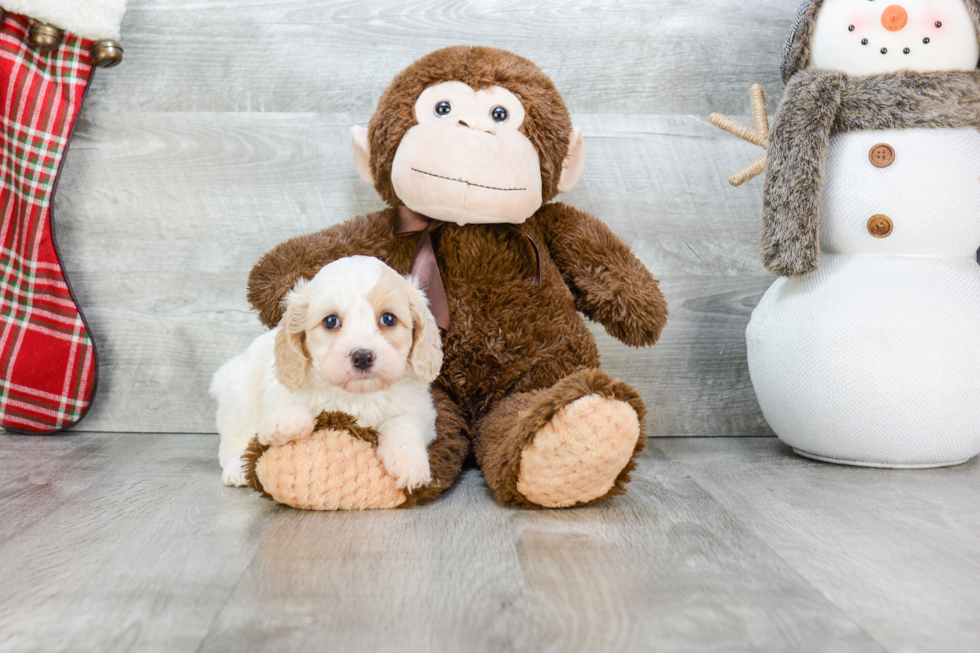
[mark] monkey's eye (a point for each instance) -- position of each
(443, 108)
(499, 114)
(331, 322)
(388, 320)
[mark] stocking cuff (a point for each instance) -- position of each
(89, 19)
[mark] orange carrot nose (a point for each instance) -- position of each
(894, 18)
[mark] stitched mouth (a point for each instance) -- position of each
(468, 183)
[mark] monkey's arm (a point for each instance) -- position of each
(610, 285)
(278, 270)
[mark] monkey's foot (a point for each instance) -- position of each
(330, 470)
(572, 444)
(577, 456)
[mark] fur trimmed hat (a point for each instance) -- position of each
(796, 50)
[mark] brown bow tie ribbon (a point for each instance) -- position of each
(424, 264)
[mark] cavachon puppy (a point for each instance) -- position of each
(359, 339)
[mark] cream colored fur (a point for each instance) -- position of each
(90, 19)
(278, 386)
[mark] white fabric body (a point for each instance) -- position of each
(931, 192)
(90, 19)
(875, 358)
(872, 359)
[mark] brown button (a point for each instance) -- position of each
(882, 155)
(880, 226)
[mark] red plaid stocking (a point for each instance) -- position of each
(47, 357)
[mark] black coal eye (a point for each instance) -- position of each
(388, 320)
(864, 41)
(850, 28)
(884, 51)
(443, 108)
(939, 23)
(925, 40)
(499, 114)
(331, 322)
(906, 50)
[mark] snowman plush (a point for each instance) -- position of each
(866, 350)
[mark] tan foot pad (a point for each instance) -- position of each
(579, 454)
(330, 470)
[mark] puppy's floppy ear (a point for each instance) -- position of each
(425, 358)
(292, 359)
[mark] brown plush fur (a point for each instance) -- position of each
(253, 452)
(906, 100)
(796, 52)
(342, 421)
(798, 142)
(513, 423)
(820, 103)
(446, 453)
(547, 123)
(507, 336)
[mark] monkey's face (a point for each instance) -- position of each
(466, 160)
(470, 135)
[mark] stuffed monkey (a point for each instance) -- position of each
(468, 147)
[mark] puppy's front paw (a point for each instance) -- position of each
(285, 425)
(407, 463)
(233, 473)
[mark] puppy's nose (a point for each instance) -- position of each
(362, 359)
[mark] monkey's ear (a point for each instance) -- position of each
(362, 153)
(574, 164)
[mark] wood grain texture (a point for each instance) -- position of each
(719, 546)
(161, 215)
(226, 131)
(633, 57)
(896, 550)
(117, 543)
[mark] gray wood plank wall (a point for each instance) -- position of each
(225, 131)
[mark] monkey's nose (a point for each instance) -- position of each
(894, 18)
(477, 124)
(362, 359)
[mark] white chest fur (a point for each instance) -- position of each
(929, 191)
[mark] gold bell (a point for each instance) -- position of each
(46, 37)
(107, 54)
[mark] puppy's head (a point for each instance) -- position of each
(357, 325)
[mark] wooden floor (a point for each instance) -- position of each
(129, 543)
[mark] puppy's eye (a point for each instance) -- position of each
(331, 322)
(499, 114)
(388, 320)
(443, 108)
